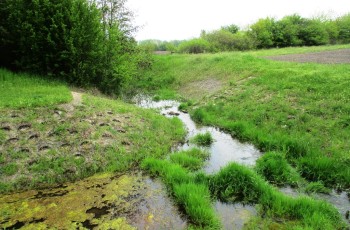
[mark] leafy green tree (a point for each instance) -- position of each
(343, 24)
(263, 32)
(313, 33)
(287, 31)
(231, 28)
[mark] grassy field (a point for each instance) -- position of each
(24, 90)
(44, 142)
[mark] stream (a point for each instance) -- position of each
(225, 149)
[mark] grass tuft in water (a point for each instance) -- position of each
(193, 197)
(202, 139)
(317, 187)
(275, 168)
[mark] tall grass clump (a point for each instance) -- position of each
(192, 159)
(202, 139)
(193, 197)
(276, 169)
(239, 183)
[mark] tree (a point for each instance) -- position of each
(263, 32)
(287, 31)
(231, 28)
(343, 24)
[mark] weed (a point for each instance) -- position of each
(275, 168)
(186, 161)
(316, 187)
(204, 139)
(193, 197)
(9, 169)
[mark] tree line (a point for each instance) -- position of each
(290, 31)
(87, 43)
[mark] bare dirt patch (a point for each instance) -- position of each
(326, 57)
(199, 89)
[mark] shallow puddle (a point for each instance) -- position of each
(234, 216)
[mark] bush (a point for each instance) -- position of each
(194, 46)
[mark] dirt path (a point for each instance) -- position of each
(326, 57)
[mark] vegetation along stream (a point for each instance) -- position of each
(225, 149)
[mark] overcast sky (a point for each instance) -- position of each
(184, 19)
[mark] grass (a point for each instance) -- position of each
(299, 109)
(192, 159)
(238, 183)
(24, 90)
(202, 139)
(43, 146)
(193, 197)
(276, 169)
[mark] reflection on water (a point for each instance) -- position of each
(225, 149)
(234, 216)
(157, 210)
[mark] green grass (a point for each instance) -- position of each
(202, 139)
(24, 90)
(193, 197)
(192, 159)
(275, 169)
(299, 109)
(239, 183)
(316, 187)
(61, 145)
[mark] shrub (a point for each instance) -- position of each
(194, 46)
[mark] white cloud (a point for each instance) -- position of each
(183, 19)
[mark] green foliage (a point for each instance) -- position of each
(221, 40)
(263, 32)
(231, 28)
(194, 46)
(343, 24)
(71, 41)
(203, 139)
(275, 168)
(24, 90)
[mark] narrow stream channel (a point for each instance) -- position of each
(225, 149)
